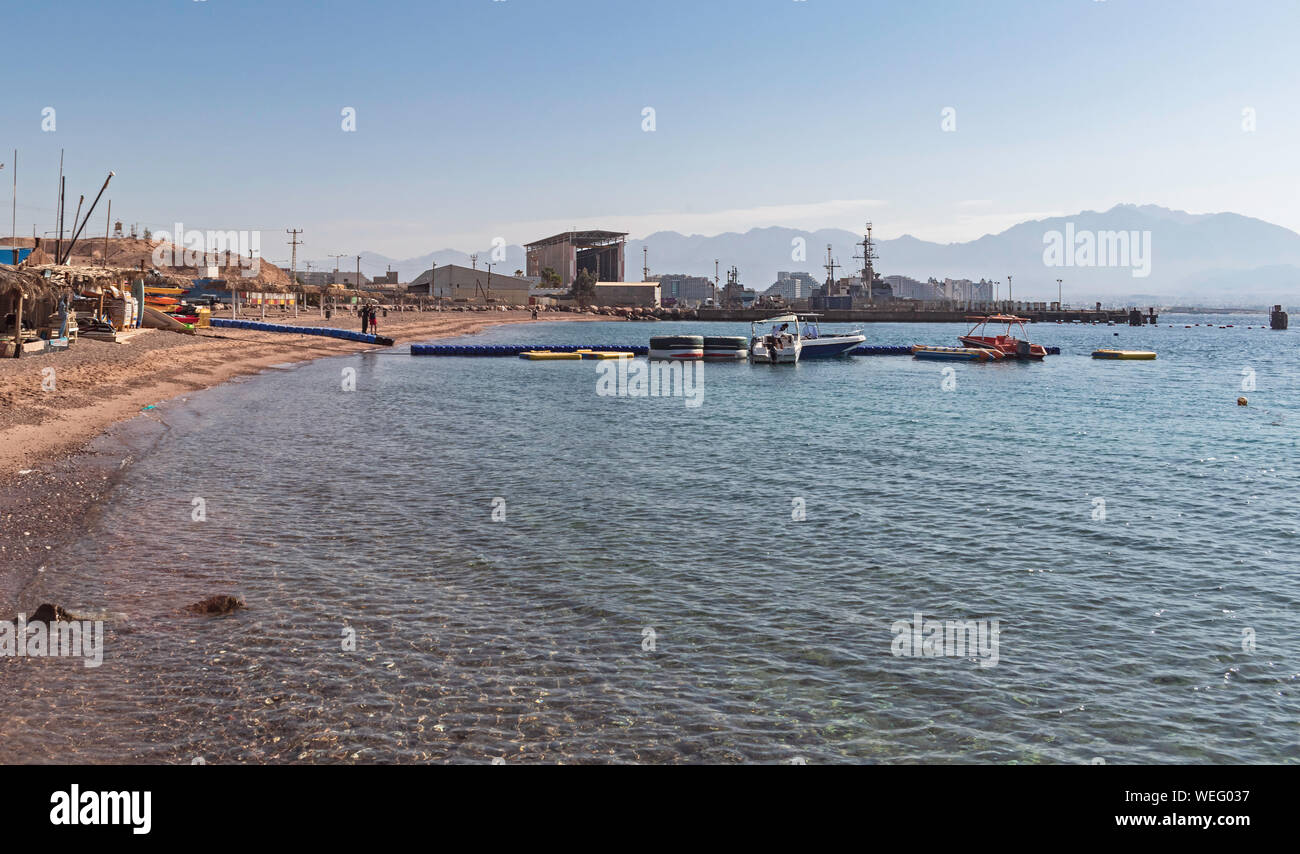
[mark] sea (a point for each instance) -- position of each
(870, 559)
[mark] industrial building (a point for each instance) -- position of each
(466, 284)
(642, 294)
(600, 252)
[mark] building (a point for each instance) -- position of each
(466, 284)
(644, 294)
(792, 286)
(684, 290)
(905, 287)
(322, 278)
(600, 252)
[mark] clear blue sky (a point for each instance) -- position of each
(478, 119)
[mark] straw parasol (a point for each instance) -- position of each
(22, 282)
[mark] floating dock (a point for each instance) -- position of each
(634, 349)
(520, 349)
(323, 331)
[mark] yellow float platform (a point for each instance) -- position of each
(604, 354)
(547, 355)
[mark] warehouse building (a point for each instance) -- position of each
(600, 252)
(466, 284)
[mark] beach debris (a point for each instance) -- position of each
(147, 408)
(217, 605)
(25, 471)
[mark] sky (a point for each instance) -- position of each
(516, 119)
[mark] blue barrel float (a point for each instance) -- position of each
(324, 331)
(516, 349)
(634, 349)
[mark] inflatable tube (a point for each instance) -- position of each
(677, 347)
(1124, 354)
(724, 347)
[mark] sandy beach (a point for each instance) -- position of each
(47, 477)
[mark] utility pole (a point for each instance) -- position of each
(645, 264)
(13, 224)
(1060, 306)
(293, 266)
(358, 272)
(1009, 287)
(336, 273)
(108, 220)
(715, 281)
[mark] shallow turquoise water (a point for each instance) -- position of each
(1121, 638)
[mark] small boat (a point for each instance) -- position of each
(677, 347)
(820, 345)
(718, 348)
(1005, 343)
(956, 354)
(1123, 354)
(781, 344)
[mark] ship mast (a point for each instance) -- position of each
(830, 272)
(868, 258)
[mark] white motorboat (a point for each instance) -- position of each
(781, 343)
(824, 345)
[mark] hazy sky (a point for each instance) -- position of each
(519, 118)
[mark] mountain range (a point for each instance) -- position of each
(1206, 259)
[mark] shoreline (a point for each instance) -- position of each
(59, 457)
(99, 384)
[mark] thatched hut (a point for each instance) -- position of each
(27, 299)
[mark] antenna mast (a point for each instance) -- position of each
(830, 272)
(868, 259)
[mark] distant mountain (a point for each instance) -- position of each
(1210, 259)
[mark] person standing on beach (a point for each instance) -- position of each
(374, 322)
(365, 318)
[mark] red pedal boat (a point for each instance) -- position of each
(1007, 343)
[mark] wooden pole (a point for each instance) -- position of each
(18, 328)
(108, 219)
